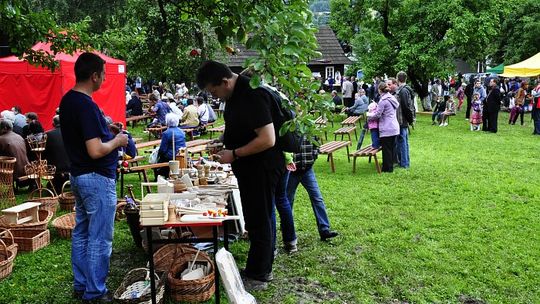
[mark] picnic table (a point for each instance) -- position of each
(350, 121)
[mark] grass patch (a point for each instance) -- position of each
(460, 226)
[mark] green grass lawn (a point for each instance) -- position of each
(460, 226)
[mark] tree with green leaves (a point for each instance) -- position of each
(22, 27)
(422, 37)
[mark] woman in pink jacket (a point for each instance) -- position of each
(388, 125)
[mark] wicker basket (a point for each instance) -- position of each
(47, 202)
(44, 218)
(66, 198)
(134, 281)
(120, 205)
(7, 256)
(6, 235)
(199, 290)
(31, 240)
(166, 256)
(64, 225)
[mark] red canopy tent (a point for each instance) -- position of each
(39, 90)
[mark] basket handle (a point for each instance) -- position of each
(40, 191)
(4, 231)
(5, 248)
(147, 271)
(66, 183)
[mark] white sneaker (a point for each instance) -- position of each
(445, 124)
(441, 125)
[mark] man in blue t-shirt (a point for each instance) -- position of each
(93, 152)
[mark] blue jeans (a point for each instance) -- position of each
(284, 209)
(91, 244)
(375, 142)
(403, 147)
(308, 180)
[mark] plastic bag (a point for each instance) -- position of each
(154, 156)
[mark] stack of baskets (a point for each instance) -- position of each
(7, 255)
(29, 236)
(66, 198)
(64, 225)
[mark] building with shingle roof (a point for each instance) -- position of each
(332, 61)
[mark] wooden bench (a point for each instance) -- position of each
(146, 144)
(368, 151)
(219, 129)
(320, 123)
(351, 121)
(135, 119)
(156, 131)
(347, 130)
(330, 147)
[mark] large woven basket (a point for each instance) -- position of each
(44, 218)
(64, 225)
(66, 198)
(199, 290)
(166, 256)
(47, 202)
(136, 281)
(31, 240)
(7, 256)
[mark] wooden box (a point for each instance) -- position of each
(153, 211)
(23, 213)
(31, 240)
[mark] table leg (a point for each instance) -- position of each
(151, 263)
(121, 182)
(225, 237)
(216, 271)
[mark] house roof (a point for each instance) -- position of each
(331, 51)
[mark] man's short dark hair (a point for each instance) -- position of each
(32, 116)
(495, 80)
(189, 101)
(401, 76)
(86, 65)
(200, 100)
(212, 72)
(17, 109)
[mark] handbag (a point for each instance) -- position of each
(154, 156)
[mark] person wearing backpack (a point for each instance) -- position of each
(257, 163)
(405, 116)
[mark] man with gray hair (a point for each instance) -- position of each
(347, 91)
(12, 144)
(10, 116)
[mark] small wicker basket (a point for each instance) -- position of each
(7, 256)
(37, 142)
(135, 283)
(64, 225)
(198, 290)
(66, 198)
(6, 235)
(31, 240)
(47, 202)
(44, 218)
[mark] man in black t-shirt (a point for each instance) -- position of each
(257, 163)
(93, 152)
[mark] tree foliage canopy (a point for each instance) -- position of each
(424, 37)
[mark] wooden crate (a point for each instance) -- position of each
(31, 240)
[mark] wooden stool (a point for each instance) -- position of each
(7, 196)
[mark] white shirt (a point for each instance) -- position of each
(203, 112)
(175, 109)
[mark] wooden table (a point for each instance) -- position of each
(330, 147)
(135, 119)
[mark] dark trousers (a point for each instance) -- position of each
(257, 186)
(348, 102)
(492, 121)
(468, 112)
(485, 120)
(388, 146)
